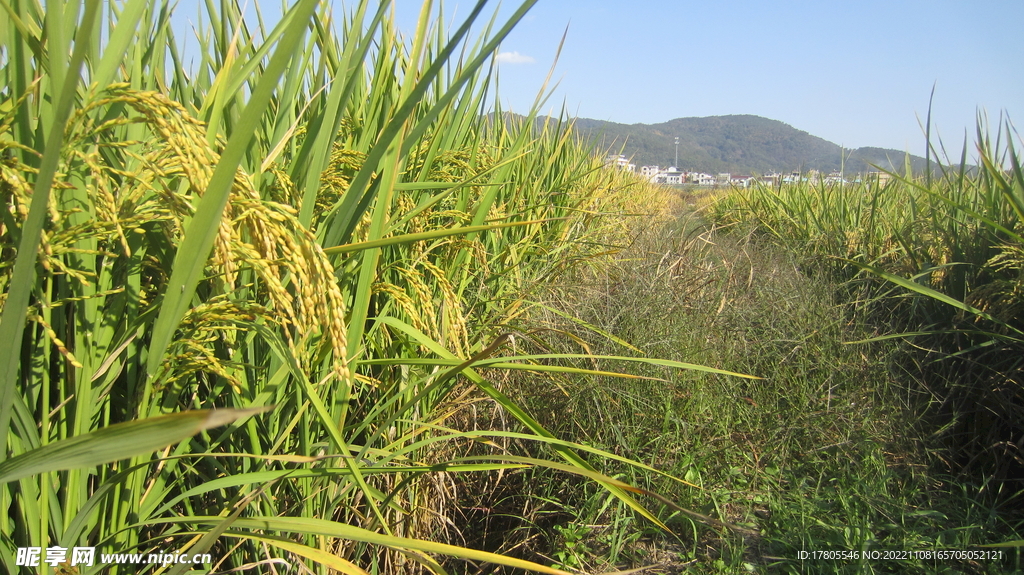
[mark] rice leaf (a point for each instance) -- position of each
(118, 441)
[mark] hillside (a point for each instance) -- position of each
(736, 144)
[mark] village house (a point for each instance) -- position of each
(793, 178)
(672, 176)
(741, 181)
(650, 172)
(881, 177)
(702, 179)
(619, 161)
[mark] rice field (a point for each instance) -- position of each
(314, 303)
(248, 301)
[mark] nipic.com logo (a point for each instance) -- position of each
(30, 556)
(87, 557)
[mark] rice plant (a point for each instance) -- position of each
(244, 298)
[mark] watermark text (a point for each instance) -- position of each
(86, 556)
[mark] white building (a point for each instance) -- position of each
(650, 172)
(702, 179)
(672, 177)
(619, 161)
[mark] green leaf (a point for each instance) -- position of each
(119, 441)
(421, 236)
(124, 33)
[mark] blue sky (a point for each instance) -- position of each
(855, 73)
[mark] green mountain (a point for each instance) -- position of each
(737, 144)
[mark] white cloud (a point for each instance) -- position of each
(514, 58)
